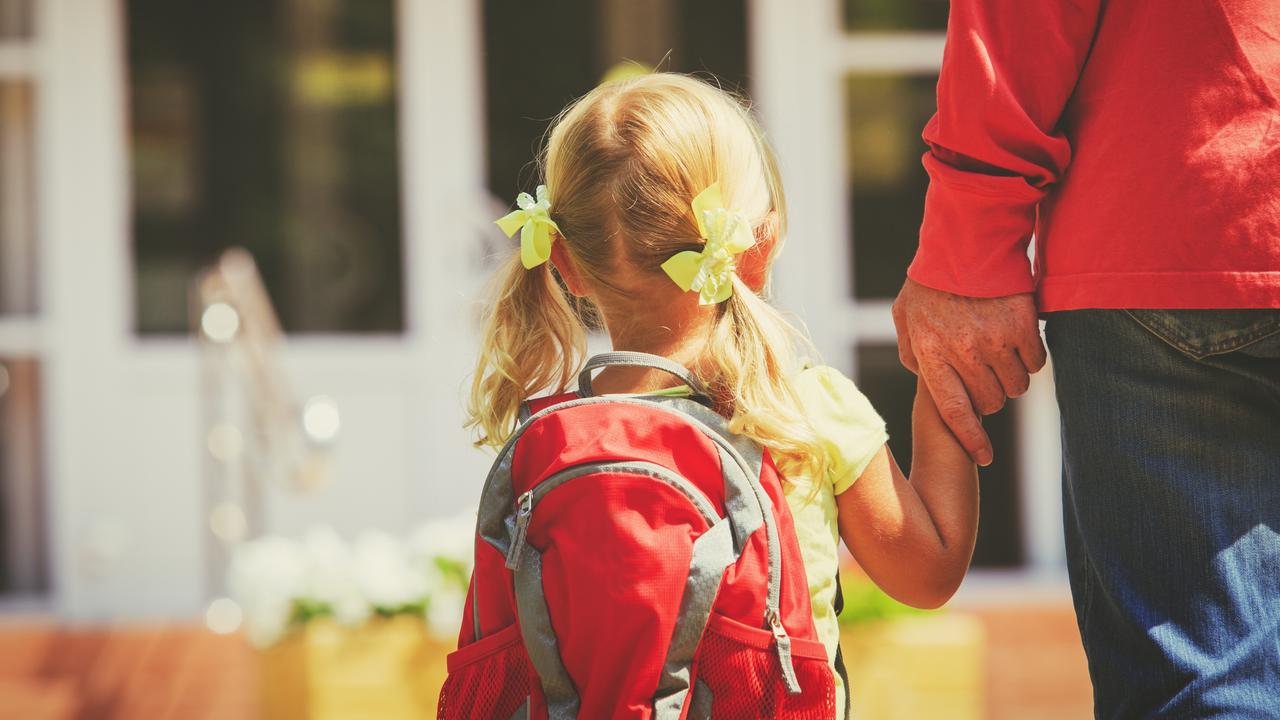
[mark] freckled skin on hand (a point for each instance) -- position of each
(973, 353)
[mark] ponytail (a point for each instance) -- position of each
(753, 355)
(532, 341)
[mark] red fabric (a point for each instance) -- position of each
(1138, 139)
(737, 663)
(595, 432)
(615, 553)
(491, 678)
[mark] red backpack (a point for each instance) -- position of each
(635, 559)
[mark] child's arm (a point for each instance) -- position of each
(914, 537)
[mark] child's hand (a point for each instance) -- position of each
(914, 536)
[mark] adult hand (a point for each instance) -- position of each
(973, 353)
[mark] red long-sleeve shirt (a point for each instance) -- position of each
(1139, 140)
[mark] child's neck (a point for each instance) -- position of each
(678, 344)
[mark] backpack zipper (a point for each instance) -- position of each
(524, 511)
(528, 500)
(782, 641)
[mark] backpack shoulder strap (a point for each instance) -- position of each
(532, 406)
(846, 700)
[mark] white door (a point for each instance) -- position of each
(122, 142)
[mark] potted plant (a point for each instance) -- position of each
(355, 629)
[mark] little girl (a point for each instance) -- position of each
(659, 222)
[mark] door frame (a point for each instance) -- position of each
(800, 55)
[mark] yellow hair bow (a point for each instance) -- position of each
(710, 271)
(534, 222)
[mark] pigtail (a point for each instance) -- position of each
(625, 161)
(532, 341)
(754, 355)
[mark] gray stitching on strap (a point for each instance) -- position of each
(540, 638)
(712, 552)
(750, 455)
(740, 504)
(747, 454)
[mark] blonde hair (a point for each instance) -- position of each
(622, 164)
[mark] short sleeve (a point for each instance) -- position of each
(849, 428)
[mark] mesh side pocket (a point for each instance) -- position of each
(489, 679)
(739, 665)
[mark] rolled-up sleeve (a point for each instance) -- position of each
(995, 145)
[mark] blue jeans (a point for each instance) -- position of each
(1171, 494)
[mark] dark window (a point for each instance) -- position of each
(884, 116)
(23, 560)
(536, 62)
(17, 200)
(269, 125)
(891, 389)
(895, 14)
(17, 19)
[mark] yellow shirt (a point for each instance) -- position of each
(851, 432)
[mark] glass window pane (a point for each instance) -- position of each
(16, 19)
(269, 125)
(891, 389)
(579, 44)
(17, 199)
(884, 115)
(895, 14)
(23, 551)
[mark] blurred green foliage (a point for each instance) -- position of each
(866, 602)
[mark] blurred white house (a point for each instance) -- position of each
(359, 151)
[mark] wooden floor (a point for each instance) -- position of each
(134, 673)
(1035, 666)
(1035, 671)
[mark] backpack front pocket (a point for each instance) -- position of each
(490, 678)
(738, 664)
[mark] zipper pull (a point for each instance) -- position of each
(782, 641)
(524, 511)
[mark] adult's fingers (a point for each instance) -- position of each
(984, 388)
(1011, 373)
(906, 355)
(1032, 351)
(956, 411)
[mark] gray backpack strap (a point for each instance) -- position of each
(627, 358)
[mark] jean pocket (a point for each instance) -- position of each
(1202, 333)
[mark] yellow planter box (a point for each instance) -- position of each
(909, 668)
(389, 669)
(916, 668)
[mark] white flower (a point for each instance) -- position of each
(329, 576)
(351, 609)
(264, 578)
(272, 577)
(444, 612)
(384, 575)
(451, 539)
